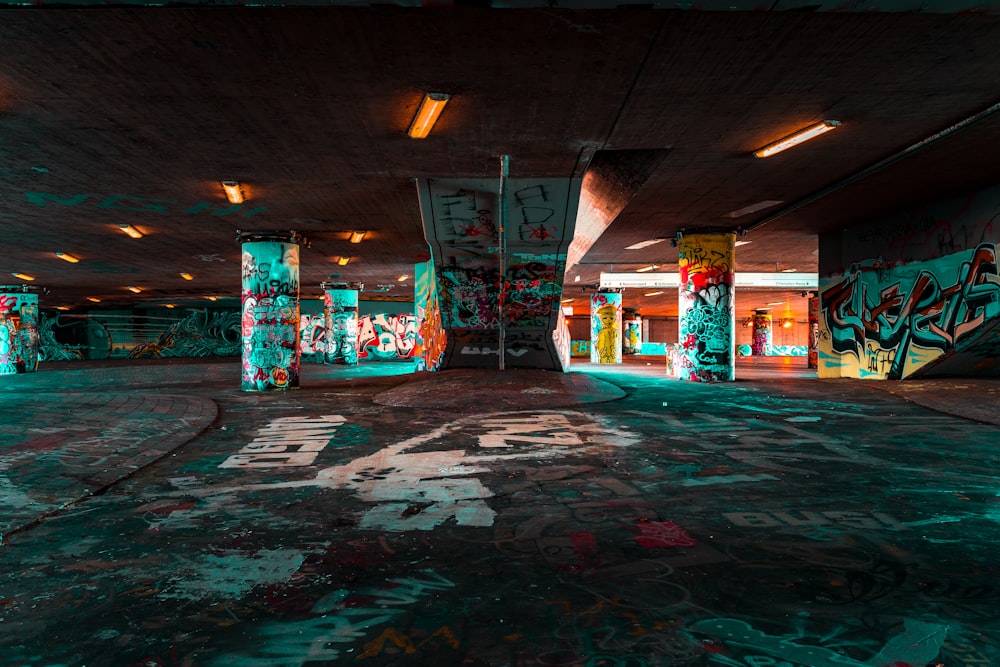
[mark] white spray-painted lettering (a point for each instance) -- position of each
(273, 446)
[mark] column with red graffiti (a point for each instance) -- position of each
(270, 310)
(762, 333)
(18, 330)
(707, 321)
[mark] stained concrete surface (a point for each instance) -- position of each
(777, 520)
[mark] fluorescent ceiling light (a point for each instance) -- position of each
(739, 243)
(647, 268)
(427, 114)
(789, 270)
(342, 261)
(133, 288)
(402, 278)
(65, 256)
(653, 293)
(804, 134)
(22, 276)
(645, 244)
(774, 303)
(357, 237)
(234, 191)
(212, 298)
(130, 230)
(753, 208)
(186, 276)
(169, 305)
(94, 299)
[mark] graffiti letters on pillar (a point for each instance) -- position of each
(532, 293)
(467, 218)
(813, 332)
(382, 337)
(470, 295)
(270, 315)
(19, 336)
(706, 305)
(534, 216)
(882, 314)
(761, 334)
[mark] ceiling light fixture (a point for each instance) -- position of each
(753, 208)
(234, 191)
(94, 299)
(427, 114)
(22, 276)
(774, 303)
(212, 298)
(402, 278)
(797, 138)
(130, 230)
(133, 288)
(186, 276)
(651, 267)
(357, 237)
(342, 261)
(739, 243)
(653, 293)
(66, 257)
(169, 305)
(644, 244)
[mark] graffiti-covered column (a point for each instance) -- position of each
(340, 309)
(762, 334)
(18, 329)
(606, 328)
(813, 310)
(707, 320)
(632, 333)
(270, 310)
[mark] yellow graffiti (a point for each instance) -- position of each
(699, 253)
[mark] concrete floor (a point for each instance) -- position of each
(154, 514)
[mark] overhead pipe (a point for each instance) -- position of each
(872, 169)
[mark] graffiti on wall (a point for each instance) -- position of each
(270, 315)
(885, 321)
(707, 315)
(382, 337)
(200, 334)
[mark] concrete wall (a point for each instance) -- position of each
(915, 294)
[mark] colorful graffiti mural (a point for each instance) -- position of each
(499, 266)
(270, 314)
(340, 308)
(706, 299)
(19, 337)
(632, 335)
(606, 328)
(762, 333)
(431, 338)
(887, 322)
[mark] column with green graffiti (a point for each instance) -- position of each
(18, 329)
(270, 310)
(340, 308)
(707, 321)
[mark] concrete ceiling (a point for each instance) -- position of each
(133, 115)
